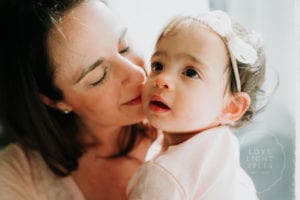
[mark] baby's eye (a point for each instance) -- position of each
(156, 66)
(192, 73)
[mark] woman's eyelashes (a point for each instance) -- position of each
(125, 50)
(124, 46)
(101, 79)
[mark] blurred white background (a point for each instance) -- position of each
(145, 18)
(297, 11)
(273, 131)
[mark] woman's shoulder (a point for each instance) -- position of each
(25, 175)
(16, 163)
(15, 173)
(13, 156)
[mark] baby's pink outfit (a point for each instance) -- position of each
(205, 167)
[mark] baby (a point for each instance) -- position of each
(206, 72)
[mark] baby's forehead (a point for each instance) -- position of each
(186, 24)
(194, 38)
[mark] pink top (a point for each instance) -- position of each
(24, 175)
(205, 167)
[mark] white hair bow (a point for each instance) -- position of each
(238, 49)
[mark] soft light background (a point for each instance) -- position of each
(297, 11)
(145, 18)
(267, 145)
(270, 140)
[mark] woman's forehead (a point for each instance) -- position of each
(83, 35)
(84, 17)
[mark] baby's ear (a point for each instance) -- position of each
(235, 108)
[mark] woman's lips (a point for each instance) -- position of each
(135, 101)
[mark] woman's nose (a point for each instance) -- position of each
(131, 73)
(164, 81)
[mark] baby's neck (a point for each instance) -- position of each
(171, 138)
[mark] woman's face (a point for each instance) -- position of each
(100, 76)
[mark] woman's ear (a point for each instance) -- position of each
(60, 105)
(235, 108)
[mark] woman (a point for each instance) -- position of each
(71, 97)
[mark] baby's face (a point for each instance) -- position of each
(186, 90)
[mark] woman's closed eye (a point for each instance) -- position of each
(191, 73)
(101, 79)
(124, 50)
(123, 45)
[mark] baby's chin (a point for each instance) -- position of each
(168, 128)
(177, 128)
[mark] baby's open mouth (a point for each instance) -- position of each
(159, 104)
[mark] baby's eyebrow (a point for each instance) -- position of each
(195, 59)
(190, 57)
(159, 53)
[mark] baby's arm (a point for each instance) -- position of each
(152, 181)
